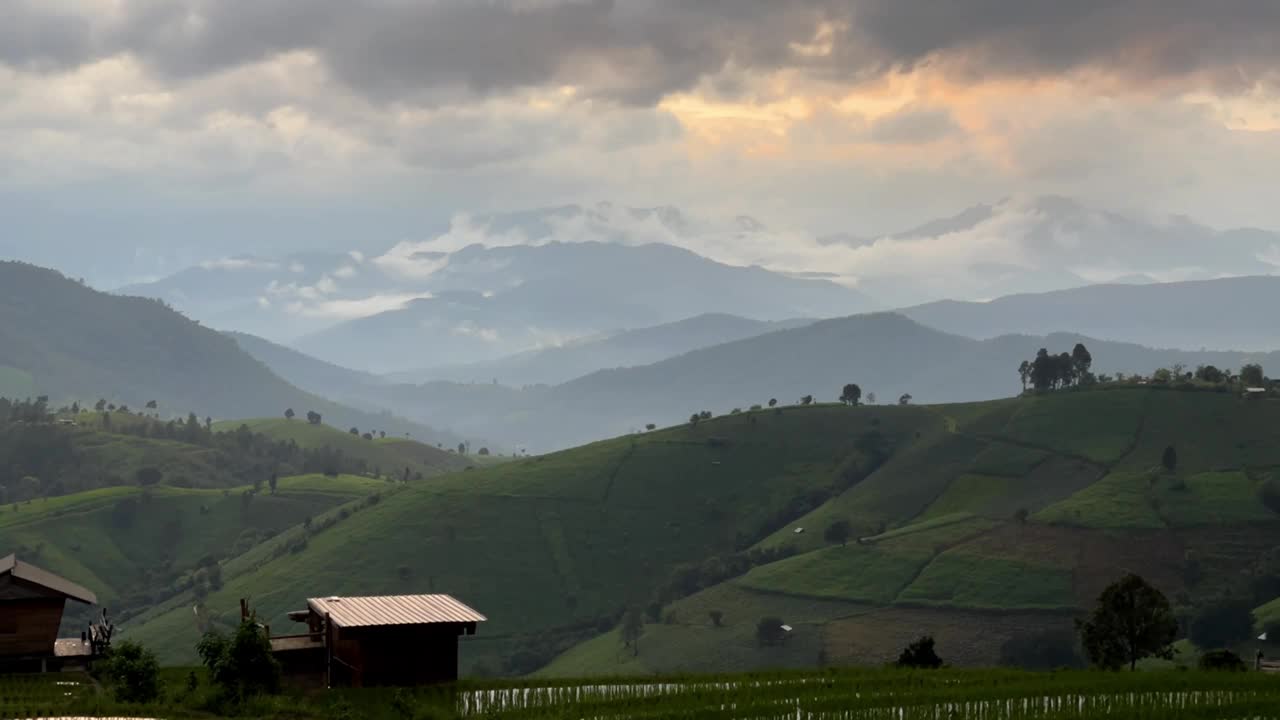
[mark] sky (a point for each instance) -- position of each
(205, 126)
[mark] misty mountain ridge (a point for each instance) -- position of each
(497, 285)
(70, 342)
(629, 348)
(1226, 314)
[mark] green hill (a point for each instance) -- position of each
(63, 339)
(135, 546)
(978, 522)
(388, 454)
(553, 546)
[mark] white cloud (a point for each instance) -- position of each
(469, 329)
(344, 272)
(349, 309)
(239, 263)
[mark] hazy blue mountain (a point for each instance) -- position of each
(491, 302)
(74, 343)
(1229, 313)
(629, 348)
(886, 354)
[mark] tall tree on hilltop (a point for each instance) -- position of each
(1251, 375)
(1024, 373)
(851, 394)
(632, 629)
(1081, 360)
(1132, 621)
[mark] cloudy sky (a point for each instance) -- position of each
(281, 122)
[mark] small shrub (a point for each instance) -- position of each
(920, 654)
(134, 673)
(1222, 660)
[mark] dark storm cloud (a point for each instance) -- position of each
(636, 51)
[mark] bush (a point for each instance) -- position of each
(1222, 660)
(769, 631)
(133, 672)
(920, 654)
(1223, 624)
(241, 665)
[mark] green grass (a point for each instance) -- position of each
(554, 548)
(568, 537)
(855, 694)
(1120, 500)
(858, 573)
(390, 455)
(1100, 426)
(1213, 498)
(128, 544)
(961, 580)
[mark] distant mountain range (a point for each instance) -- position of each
(1237, 313)
(71, 342)
(886, 354)
(629, 348)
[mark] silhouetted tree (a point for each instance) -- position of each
(462, 448)
(1132, 621)
(151, 405)
(631, 630)
(484, 451)
(851, 394)
(920, 654)
(1251, 375)
(773, 402)
(355, 431)
(650, 426)
(837, 532)
(769, 631)
(1081, 360)
(1209, 374)
(313, 417)
(288, 414)
(905, 399)
(1024, 373)
(148, 476)
(871, 398)
(806, 400)
(1169, 459)
(1223, 624)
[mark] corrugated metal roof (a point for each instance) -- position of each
(32, 574)
(393, 610)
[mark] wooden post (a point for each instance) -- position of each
(328, 652)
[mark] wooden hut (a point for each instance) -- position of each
(32, 601)
(378, 640)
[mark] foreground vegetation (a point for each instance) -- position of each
(870, 694)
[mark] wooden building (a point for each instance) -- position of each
(31, 606)
(378, 640)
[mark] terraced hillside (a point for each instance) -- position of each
(1005, 525)
(390, 455)
(134, 546)
(552, 547)
(978, 522)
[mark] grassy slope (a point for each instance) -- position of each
(576, 536)
(389, 454)
(85, 537)
(1085, 468)
(573, 536)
